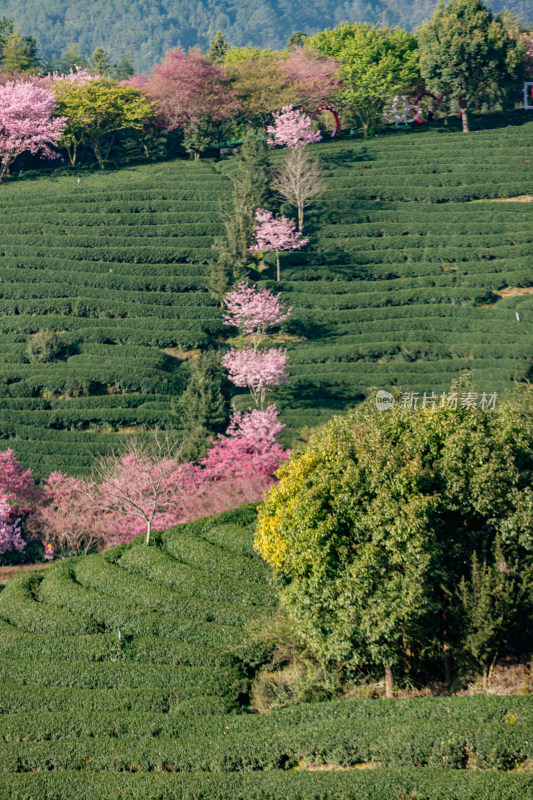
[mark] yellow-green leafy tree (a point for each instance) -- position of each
(371, 529)
(96, 111)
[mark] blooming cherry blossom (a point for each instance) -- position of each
(292, 128)
(10, 536)
(253, 311)
(26, 122)
(276, 233)
(258, 370)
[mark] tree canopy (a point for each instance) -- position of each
(372, 528)
(376, 64)
(465, 51)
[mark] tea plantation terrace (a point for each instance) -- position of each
(162, 711)
(398, 287)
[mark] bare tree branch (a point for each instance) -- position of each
(299, 180)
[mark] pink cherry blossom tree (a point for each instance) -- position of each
(17, 487)
(26, 122)
(262, 425)
(75, 77)
(276, 233)
(316, 77)
(10, 535)
(241, 465)
(145, 485)
(257, 370)
(67, 520)
(292, 128)
(253, 311)
(190, 91)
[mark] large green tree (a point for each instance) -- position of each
(376, 64)
(466, 52)
(201, 409)
(96, 111)
(17, 53)
(251, 190)
(372, 528)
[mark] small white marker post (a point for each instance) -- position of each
(517, 316)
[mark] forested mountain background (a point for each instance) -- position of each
(146, 28)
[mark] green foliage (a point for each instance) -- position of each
(250, 175)
(256, 23)
(466, 51)
(218, 47)
(17, 53)
(493, 610)
(201, 409)
(197, 137)
(377, 64)
(383, 509)
(414, 783)
(158, 712)
(96, 111)
(45, 346)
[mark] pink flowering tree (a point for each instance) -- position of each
(276, 233)
(190, 92)
(10, 535)
(316, 77)
(17, 487)
(299, 179)
(67, 520)
(257, 370)
(145, 485)
(292, 128)
(18, 501)
(75, 77)
(240, 465)
(253, 311)
(26, 122)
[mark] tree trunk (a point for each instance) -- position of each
(97, 152)
(278, 271)
(464, 117)
(300, 217)
(144, 147)
(485, 678)
(148, 530)
(447, 664)
(389, 682)
(72, 152)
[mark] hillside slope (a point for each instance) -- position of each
(399, 286)
(160, 713)
(148, 30)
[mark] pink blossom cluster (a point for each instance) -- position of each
(253, 310)
(249, 447)
(10, 535)
(69, 513)
(17, 488)
(317, 77)
(75, 77)
(26, 122)
(187, 87)
(292, 128)
(263, 426)
(276, 233)
(258, 370)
